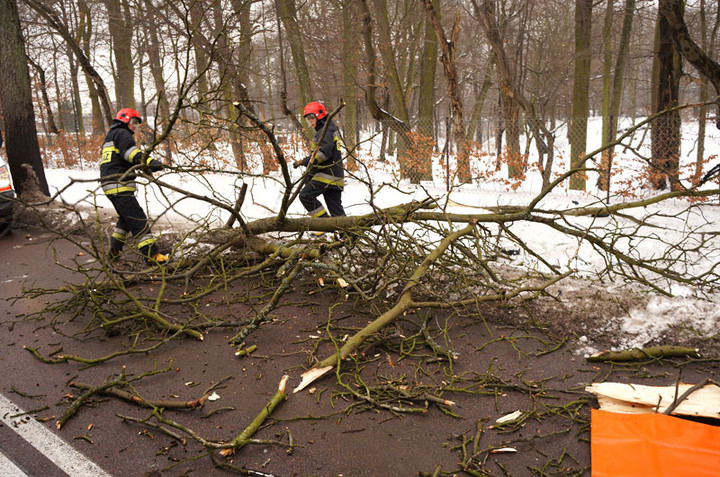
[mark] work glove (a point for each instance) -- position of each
(154, 165)
(151, 165)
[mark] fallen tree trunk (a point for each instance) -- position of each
(636, 354)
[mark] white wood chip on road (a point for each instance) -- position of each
(51, 446)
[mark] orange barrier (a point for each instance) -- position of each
(657, 445)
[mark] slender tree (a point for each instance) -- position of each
(120, 26)
(617, 92)
(448, 48)
(581, 89)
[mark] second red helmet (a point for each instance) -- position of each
(315, 108)
(126, 114)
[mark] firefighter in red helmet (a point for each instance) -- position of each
(119, 154)
(327, 171)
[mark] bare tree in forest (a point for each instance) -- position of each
(287, 11)
(396, 87)
(448, 47)
(665, 130)
(53, 19)
(16, 100)
(581, 89)
(85, 32)
(155, 63)
(616, 93)
(51, 127)
(120, 26)
(399, 127)
(708, 44)
(673, 12)
(426, 88)
(350, 67)
(485, 11)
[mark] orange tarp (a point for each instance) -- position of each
(657, 445)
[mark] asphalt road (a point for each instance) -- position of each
(27, 447)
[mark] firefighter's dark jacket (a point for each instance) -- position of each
(120, 153)
(327, 168)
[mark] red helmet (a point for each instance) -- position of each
(126, 114)
(315, 108)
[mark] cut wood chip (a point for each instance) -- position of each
(501, 450)
(638, 399)
(310, 376)
(513, 416)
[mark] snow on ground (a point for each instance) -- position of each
(687, 307)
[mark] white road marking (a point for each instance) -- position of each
(9, 469)
(51, 446)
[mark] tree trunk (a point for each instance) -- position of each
(287, 11)
(617, 93)
(51, 126)
(155, 64)
(388, 120)
(394, 84)
(447, 58)
(120, 27)
(606, 82)
(474, 132)
(510, 110)
(21, 143)
(85, 34)
(672, 10)
(581, 89)
(350, 62)
(198, 39)
(76, 100)
(665, 130)
(426, 90)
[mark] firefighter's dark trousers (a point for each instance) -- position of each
(332, 195)
(131, 219)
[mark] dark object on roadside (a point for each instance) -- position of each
(7, 199)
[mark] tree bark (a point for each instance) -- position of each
(350, 62)
(21, 143)
(617, 93)
(402, 128)
(665, 131)
(426, 89)
(672, 10)
(51, 126)
(287, 11)
(510, 109)
(447, 58)
(120, 27)
(581, 89)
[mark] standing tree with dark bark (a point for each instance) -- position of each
(665, 131)
(581, 89)
(16, 101)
